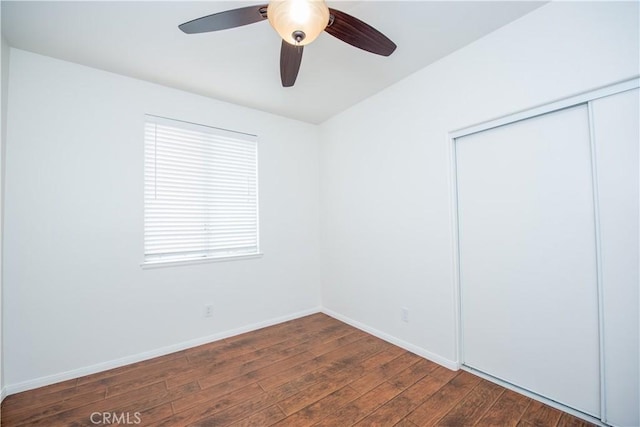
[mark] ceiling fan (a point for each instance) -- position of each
(298, 22)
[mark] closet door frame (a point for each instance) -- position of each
(583, 98)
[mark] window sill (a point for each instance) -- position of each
(162, 264)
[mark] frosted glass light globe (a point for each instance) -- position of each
(299, 22)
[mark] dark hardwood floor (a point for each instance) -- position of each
(310, 371)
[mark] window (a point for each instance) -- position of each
(200, 192)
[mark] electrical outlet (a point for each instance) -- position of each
(404, 314)
(208, 310)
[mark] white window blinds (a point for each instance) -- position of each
(200, 192)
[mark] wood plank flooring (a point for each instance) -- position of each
(309, 371)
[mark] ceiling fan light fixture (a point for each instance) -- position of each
(298, 22)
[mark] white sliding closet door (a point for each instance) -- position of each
(528, 276)
(617, 132)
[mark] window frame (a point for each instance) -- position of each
(214, 131)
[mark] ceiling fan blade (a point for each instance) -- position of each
(359, 34)
(290, 59)
(228, 19)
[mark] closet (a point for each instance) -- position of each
(547, 248)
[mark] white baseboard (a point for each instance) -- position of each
(453, 365)
(104, 366)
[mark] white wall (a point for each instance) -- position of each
(4, 74)
(74, 225)
(385, 166)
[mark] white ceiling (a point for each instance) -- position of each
(142, 40)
